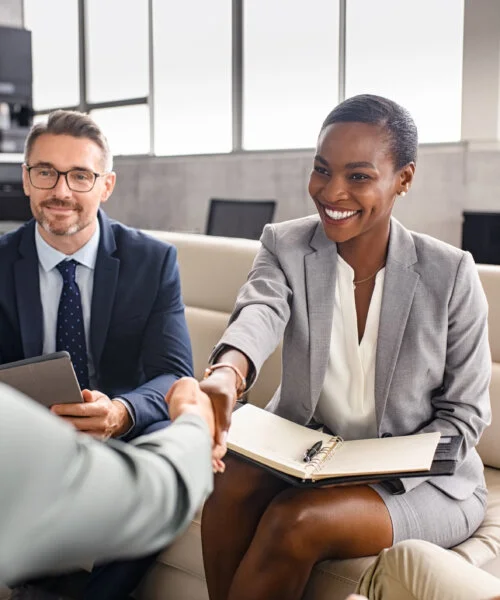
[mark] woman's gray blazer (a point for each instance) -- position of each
(433, 361)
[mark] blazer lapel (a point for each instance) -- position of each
(320, 281)
(400, 283)
(27, 287)
(103, 296)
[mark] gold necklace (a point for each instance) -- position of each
(355, 283)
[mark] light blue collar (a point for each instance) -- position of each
(49, 257)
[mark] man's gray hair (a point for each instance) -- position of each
(76, 124)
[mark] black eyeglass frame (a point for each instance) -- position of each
(65, 173)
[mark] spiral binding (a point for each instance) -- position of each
(329, 449)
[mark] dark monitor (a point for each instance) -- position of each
(239, 218)
(481, 236)
(15, 65)
(14, 204)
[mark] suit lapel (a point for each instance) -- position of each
(320, 279)
(400, 283)
(105, 281)
(27, 287)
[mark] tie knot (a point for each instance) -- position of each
(67, 268)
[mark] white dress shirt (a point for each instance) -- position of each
(51, 285)
(347, 400)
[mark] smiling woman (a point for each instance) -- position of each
(384, 333)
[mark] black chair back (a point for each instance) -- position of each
(239, 218)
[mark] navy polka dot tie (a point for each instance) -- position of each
(70, 334)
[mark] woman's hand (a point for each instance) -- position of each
(221, 386)
(185, 397)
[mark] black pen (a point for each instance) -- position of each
(312, 451)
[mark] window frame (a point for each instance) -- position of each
(237, 77)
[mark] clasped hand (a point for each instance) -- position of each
(97, 415)
(212, 400)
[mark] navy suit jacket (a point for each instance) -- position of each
(138, 333)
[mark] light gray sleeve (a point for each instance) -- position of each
(67, 499)
(262, 308)
(463, 404)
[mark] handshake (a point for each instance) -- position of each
(187, 397)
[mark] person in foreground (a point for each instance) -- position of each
(418, 570)
(384, 333)
(74, 280)
(80, 500)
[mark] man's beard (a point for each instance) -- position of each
(52, 227)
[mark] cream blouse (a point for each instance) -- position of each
(347, 400)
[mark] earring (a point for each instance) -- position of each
(402, 193)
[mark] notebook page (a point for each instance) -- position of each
(272, 440)
(382, 455)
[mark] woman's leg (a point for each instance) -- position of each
(303, 527)
(230, 517)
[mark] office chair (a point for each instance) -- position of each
(239, 218)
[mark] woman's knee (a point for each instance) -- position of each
(290, 529)
(335, 523)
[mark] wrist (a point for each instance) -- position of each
(228, 370)
(123, 421)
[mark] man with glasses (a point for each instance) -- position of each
(72, 279)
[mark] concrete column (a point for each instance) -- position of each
(11, 13)
(481, 71)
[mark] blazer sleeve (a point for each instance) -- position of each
(81, 500)
(165, 352)
(262, 308)
(462, 405)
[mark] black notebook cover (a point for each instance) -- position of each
(444, 463)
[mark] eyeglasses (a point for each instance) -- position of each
(78, 180)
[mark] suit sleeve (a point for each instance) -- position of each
(80, 500)
(166, 350)
(462, 405)
(262, 308)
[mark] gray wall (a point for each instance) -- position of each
(11, 13)
(174, 193)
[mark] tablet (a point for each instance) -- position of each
(48, 379)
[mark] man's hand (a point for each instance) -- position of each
(97, 415)
(221, 388)
(185, 397)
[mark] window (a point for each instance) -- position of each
(55, 52)
(290, 71)
(117, 49)
(192, 56)
(410, 52)
(126, 128)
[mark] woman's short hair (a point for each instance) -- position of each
(76, 124)
(376, 110)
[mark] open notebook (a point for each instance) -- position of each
(280, 446)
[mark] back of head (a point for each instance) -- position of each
(387, 114)
(75, 124)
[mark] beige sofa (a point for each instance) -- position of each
(212, 270)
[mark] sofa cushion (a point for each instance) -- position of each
(490, 276)
(212, 268)
(489, 445)
(205, 330)
(484, 545)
